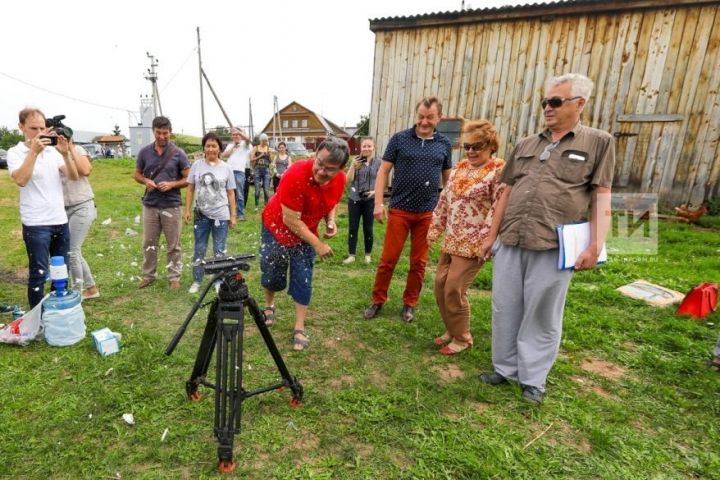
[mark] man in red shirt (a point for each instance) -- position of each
(308, 192)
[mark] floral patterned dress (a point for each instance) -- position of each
(465, 208)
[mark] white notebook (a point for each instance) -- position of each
(574, 238)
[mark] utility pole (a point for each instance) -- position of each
(200, 71)
(152, 76)
(276, 118)
(250, 119)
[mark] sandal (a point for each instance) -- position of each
(454, 348)
(269, 313)
(442, 339)
(299, 344)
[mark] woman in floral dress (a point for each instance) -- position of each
(464, 214)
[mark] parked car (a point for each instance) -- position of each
(94, 150)
(3, 158)
(297, 150)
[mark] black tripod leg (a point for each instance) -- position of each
(289, 380)
(229, 393)
(202, 361)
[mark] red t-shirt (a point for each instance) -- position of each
(299, 191)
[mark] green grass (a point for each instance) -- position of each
(629, 397)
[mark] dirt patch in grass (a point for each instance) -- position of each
(630, 346)
(343, 381)
(449, 373)
(379, 379)
(564, 434)
(603, 368)
(589, 385)
(18, 277)
(480, 407)
(479, 293)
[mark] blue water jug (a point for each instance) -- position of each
(62, 315)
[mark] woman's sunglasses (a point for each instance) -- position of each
(556, 102)
(474, 146)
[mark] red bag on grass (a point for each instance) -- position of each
(700, 302)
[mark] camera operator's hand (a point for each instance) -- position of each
(63, 145)
(323, 250)
(37, 144)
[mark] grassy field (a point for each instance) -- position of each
(629, 397)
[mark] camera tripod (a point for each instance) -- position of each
(224, 333)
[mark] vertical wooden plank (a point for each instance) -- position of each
(561, 60)
(556, 32)
(431, 53)
(446, 75)
(399, 80)
(524, 75)
(489, 85)
(376, 99)
(607, 117)
(541, 66)
(577, 55)
(438, 63)
(466, 89)
(386, 107)
(509, 85)
(527, 105)
(632, 99)
(418, 67)
(605, 50)
(480, 60)
(587, 47)
(708, 111)
(694, 92)
(504, 47)
(459, 55)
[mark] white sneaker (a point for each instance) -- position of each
(194, 287)
(349, 259)
(368, 259)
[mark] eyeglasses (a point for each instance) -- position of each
(479, 146)
(548, 148)
(328, 170)
(556, 102)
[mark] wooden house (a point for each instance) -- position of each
(655, 64)
(296, 123)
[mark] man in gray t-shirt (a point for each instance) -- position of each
(162, 168)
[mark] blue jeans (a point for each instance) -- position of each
(275, 262)
(203, 227)
(41, 243)
(262, 180)
(239, 188)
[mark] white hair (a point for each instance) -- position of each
(264, 137)
(582, 86)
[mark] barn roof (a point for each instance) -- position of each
(530, 10)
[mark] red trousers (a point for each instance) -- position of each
(399, 224)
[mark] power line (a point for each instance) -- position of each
(63, 95)
(178, 70)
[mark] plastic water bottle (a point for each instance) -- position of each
(62, 315)
(17, 312)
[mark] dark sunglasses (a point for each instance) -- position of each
(474, 146)
(556, 102)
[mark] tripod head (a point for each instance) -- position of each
(232, 287)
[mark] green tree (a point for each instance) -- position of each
(9, 138)
(363, 126)
(116, 130)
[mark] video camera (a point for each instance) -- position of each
(55, 123)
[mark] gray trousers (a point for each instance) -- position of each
(80, 219)
(167, 221)
(527, 311)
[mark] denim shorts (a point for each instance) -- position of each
(275, 262)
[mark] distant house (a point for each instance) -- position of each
(116, 142)
(296, 123)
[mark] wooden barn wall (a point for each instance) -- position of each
(656, 74)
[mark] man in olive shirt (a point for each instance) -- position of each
(552, 178)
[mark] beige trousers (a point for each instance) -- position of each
(169, 222)
(452, 279)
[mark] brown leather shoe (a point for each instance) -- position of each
(174, 284)
(145, 282)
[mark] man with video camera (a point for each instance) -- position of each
(36, 167)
